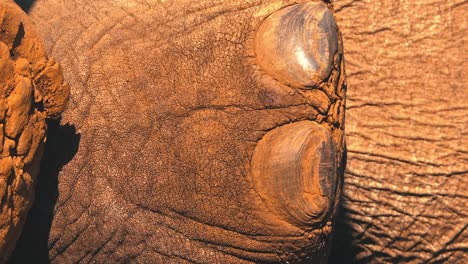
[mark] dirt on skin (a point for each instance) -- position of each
(32, 90)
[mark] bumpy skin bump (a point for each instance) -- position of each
(294, 170)
(32, 90)
(297, 44)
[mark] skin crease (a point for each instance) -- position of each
(405, 188)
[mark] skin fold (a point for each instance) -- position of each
(169, 104)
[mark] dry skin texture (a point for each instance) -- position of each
(406, 184)
(170, 103)
(32, 89)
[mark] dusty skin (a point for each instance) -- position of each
(32, 91)
(406, 183)
(170, 113)
(174, 123)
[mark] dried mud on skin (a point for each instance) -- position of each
(32, 90)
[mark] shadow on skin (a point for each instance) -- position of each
(342, 251)
(61, 146)
(25, 4)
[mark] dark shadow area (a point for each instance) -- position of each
(25, 4)
(61, 146)
(17, 41)
(342, 251)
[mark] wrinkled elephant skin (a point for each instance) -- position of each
(206, 136)
(406, 183)
(192, 146)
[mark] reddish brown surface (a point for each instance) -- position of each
(163, 86)
(295, 173)
(32, 89)
(169, 103)
(406, 184)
